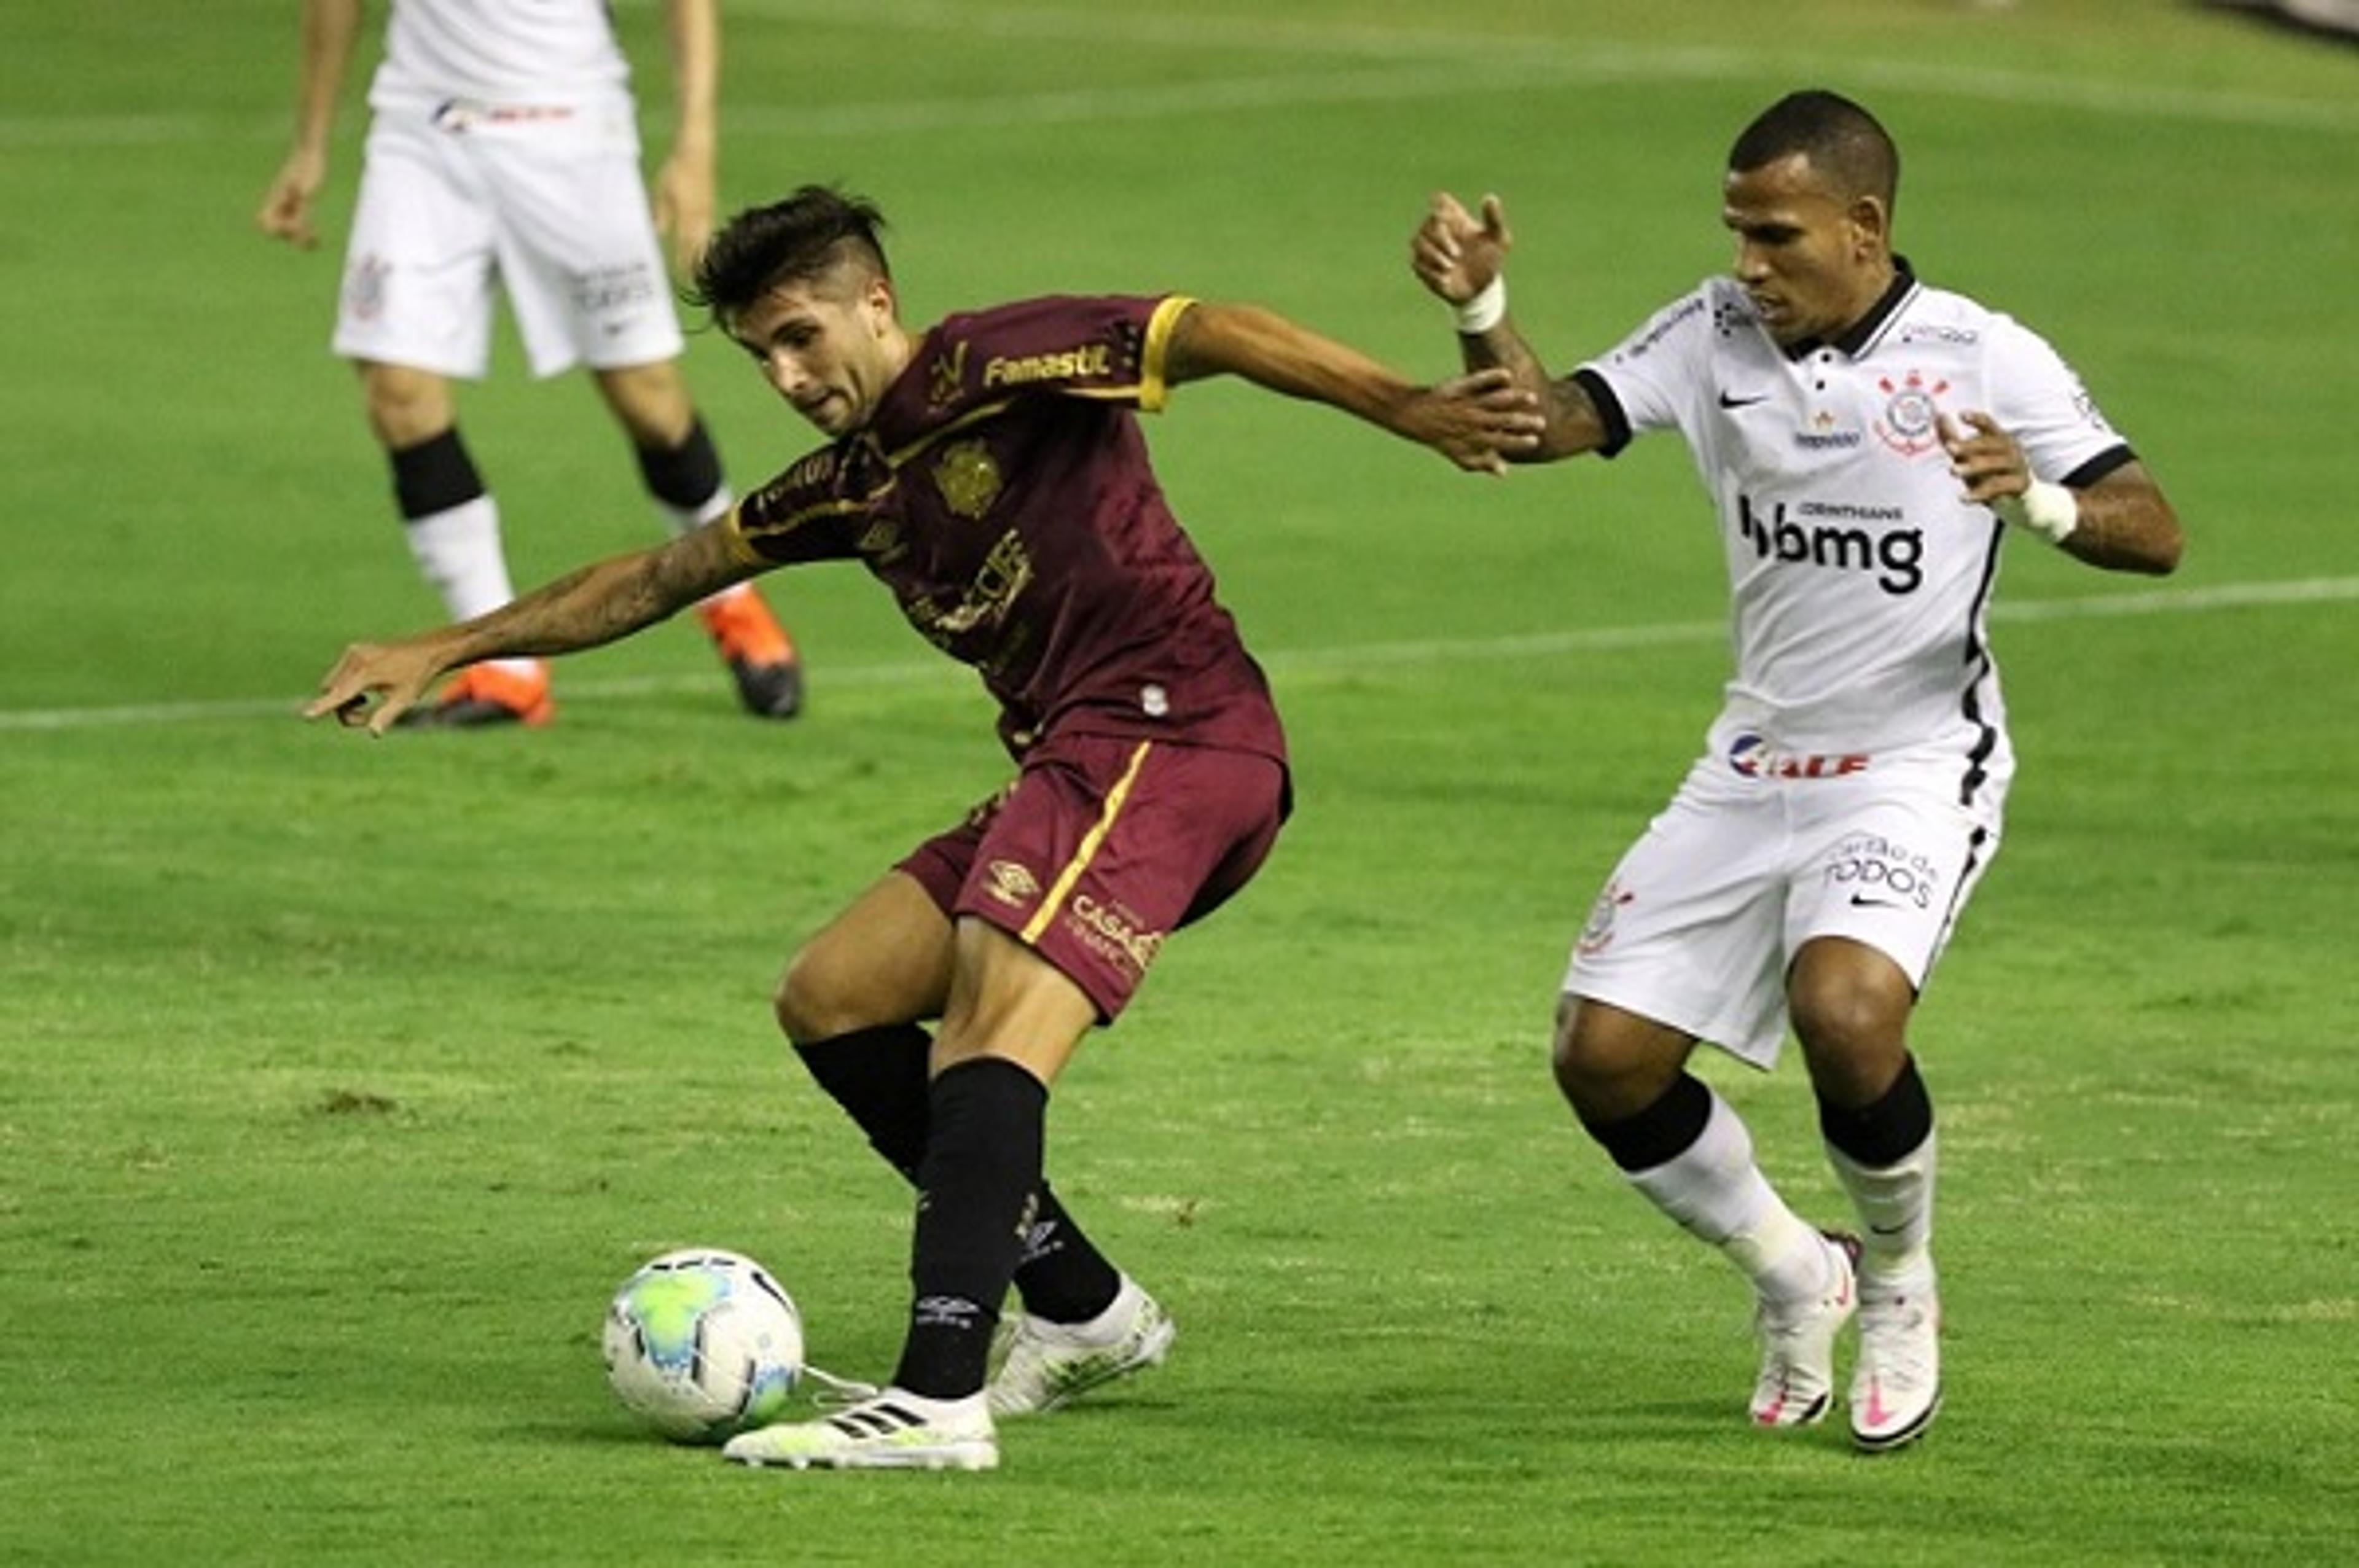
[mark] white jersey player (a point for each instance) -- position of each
(1867, 441)
(503, 159)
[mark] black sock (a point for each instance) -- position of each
(1881, 1134)
(878, 1076)
(434, 475)
(683, 476)
(1061, 1276)
(1660, 1133)
(976, 1189)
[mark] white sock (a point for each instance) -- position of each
(1896, 1211)
(1718, 1195)
(458, 551)
(679, 520)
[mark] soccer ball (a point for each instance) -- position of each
(703, 1343)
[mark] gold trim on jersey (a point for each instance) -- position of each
(1091, 843)
(742, 535)
(1154, 392)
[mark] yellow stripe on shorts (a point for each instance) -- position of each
(1089, 850)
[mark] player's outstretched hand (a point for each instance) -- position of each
(1481, 421)
(1985, 458)
(1456, 254)
(394, 674)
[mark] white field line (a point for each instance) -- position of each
(1330, 65)
(1346, 656)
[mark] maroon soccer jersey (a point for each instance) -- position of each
(1003, 491)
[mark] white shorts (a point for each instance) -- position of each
(1699, 922)
(546, 202)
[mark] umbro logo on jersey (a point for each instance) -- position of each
(1729, 400)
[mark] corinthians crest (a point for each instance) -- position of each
(1911, 418)
(967, 478)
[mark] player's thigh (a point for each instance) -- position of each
(1009, 1002)
(418, 271)
(1686, 932)
(1106, 846)
(887, 958)
(579, 255)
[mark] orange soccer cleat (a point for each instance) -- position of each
(758, 652)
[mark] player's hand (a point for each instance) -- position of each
(1986, 459)
(394, 674)
(683, 207)
(1481, 421)
(1455, 254)
(286, 210)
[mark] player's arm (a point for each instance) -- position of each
(1462, 260)
(584, 608)
(1478, 421)
(329, 28)
(684, 185)
(2121, 521)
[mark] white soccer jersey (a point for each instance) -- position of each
(498, 53)
(1859, 574)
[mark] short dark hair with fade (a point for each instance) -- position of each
(804, 237)
(1842, 141)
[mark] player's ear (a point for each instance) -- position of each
(1871, 226)
(878, 303)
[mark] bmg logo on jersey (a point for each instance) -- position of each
(1881, 874)
(1836, 536)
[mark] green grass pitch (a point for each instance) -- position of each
(340, 1083)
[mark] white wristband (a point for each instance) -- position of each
(1486, 310)
(2048, 510)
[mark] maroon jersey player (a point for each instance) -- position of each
(991, 473)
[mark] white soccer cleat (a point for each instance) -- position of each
(1797, 1344)
(894, 1430)
(1051, 1364)
(1895, 1389)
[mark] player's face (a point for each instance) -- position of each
(829, 345)
(1813, 260)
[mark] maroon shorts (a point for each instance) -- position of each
(1102, 847)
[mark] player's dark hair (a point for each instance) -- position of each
(804, 237)
(1842, 141)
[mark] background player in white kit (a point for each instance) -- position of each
(1865, 437)
(504, 148)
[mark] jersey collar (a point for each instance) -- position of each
(1857, 337)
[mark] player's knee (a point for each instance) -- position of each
(813, 1002)
(1584, 1069)
(404, 408)
(1837, 1017)
(1853, 1041)
(1610, 1065)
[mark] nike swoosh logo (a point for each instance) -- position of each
(1730, 401)
(1861, 902)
